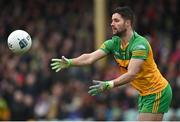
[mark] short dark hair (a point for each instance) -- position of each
(126, 13)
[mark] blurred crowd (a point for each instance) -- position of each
(30, 90)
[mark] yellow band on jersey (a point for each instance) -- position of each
(139, 53)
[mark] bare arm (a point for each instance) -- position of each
(133, 68)
(87, 59)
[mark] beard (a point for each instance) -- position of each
(120, 33)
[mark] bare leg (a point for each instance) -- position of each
(150, 117)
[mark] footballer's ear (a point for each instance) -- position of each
(128, 22)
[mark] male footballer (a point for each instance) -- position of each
(134, 56)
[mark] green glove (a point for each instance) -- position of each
(58, 64)
(99, 87)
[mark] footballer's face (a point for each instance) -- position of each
(118, 24)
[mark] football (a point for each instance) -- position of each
(19, 41)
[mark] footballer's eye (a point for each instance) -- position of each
(116, 20)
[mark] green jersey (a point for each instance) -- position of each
(149, 80)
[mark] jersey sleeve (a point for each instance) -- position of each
(140, 50)
(107, 46)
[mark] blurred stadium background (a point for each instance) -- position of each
(29, 90)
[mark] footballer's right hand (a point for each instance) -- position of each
(58, 64)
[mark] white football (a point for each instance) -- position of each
(19, 41)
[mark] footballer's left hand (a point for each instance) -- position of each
(99, 87)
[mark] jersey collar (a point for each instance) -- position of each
(130, 41)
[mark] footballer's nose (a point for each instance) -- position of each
(112, 24)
